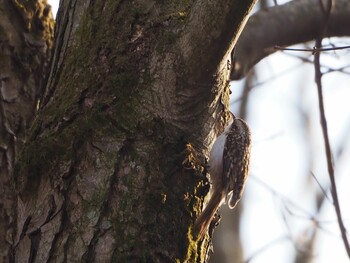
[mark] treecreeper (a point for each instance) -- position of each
(228, 168)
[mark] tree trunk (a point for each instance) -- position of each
(112, 170)
(26, 36)
(112, 167)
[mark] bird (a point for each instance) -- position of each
(228, 168)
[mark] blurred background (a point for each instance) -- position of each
(286, 213)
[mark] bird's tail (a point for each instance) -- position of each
(204, 219)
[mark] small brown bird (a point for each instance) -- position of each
(228, 168)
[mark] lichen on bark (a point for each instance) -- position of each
(117, 148)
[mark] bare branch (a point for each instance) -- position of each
(321, 187)
(313, 50)
(318, 77)
(327, 68)
(293, 23)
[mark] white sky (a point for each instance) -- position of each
(54, 4)
(282, 161)
(280, 157)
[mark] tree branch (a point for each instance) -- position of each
(292, 23)
(328, 152)
(318, 76)
(207, 42)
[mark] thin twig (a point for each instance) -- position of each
(327, 68)
(305, 214)
(274, 242)
(314, 50)
(298, 211)
(334, 193)
(321, 187)
(274, 77)
(318, 76)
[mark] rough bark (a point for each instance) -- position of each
(111, 169)
(26, 35)
(285, 25)
(113, 165)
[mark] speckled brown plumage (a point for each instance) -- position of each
(228, 169)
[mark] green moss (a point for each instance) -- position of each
(41, 157)
(167, 39)
(103, 66)
(99, 196)
(144, 7)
